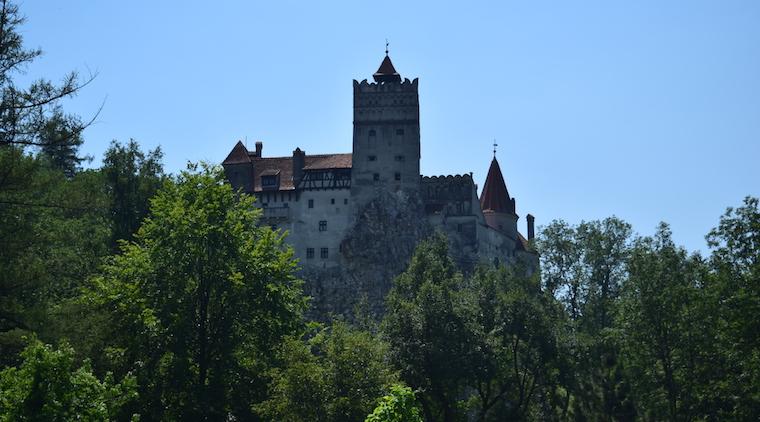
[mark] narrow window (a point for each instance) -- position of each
(323, 253)
(309, 253)
(311, 203)
(397, 176)
(376, 177)
(323, 226)
(345, 201)
(332, 201)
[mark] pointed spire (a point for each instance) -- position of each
(495, 196)
(386, 72)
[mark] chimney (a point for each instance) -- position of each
(259, 147)
(531, 227)
(299, 162)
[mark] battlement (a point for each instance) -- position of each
(447, 188)
(378, 87)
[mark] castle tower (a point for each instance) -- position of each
(386, 144)
(498, 207)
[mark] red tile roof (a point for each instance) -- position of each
(495, 196)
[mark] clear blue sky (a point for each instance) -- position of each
(648, 110)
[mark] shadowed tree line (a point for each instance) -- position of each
(127, 293)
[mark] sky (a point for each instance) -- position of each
(646, 110)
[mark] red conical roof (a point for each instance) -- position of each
(495, 196)
(386, 72)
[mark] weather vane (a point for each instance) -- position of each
(494, 148)
(386, 46)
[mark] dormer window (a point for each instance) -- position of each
(269, 179)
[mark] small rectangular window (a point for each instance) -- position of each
(285, 205)
(309, 253)
(397, 176)
(376, 177)
(332, 201)
(399, 158)
(323, 253)
(323, 226)
(400, 132)
(311, 203)
(372, 158)
(345, 201)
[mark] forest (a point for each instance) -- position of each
(128, 293)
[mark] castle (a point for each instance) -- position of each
(354, 219)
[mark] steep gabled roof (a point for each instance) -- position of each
(495, 196)
(238, 155)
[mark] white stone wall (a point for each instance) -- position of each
(303, 223)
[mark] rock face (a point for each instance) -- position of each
(373, 252)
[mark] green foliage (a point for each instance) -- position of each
(197, 303)
(48, 386)
(132, 177)
(26, 114)
(427, 328)
(334, 375)
(734, 293)
(656, 325)
(487, 345)
(584, 266)
(398, 406)
(53, 234)
(61, 137)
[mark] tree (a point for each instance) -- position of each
(197, 302)
(734, 291)
(25, 112)
(427, 328)
(48, 386)
(61, 137)
(334, 375)
(53, 234)
(585, 267)
(50, 226)
(132, 177)
(398, 406)
(657, 326)
(518, 332)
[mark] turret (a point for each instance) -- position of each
(498, 207)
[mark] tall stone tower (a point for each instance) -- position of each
(386, 145)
